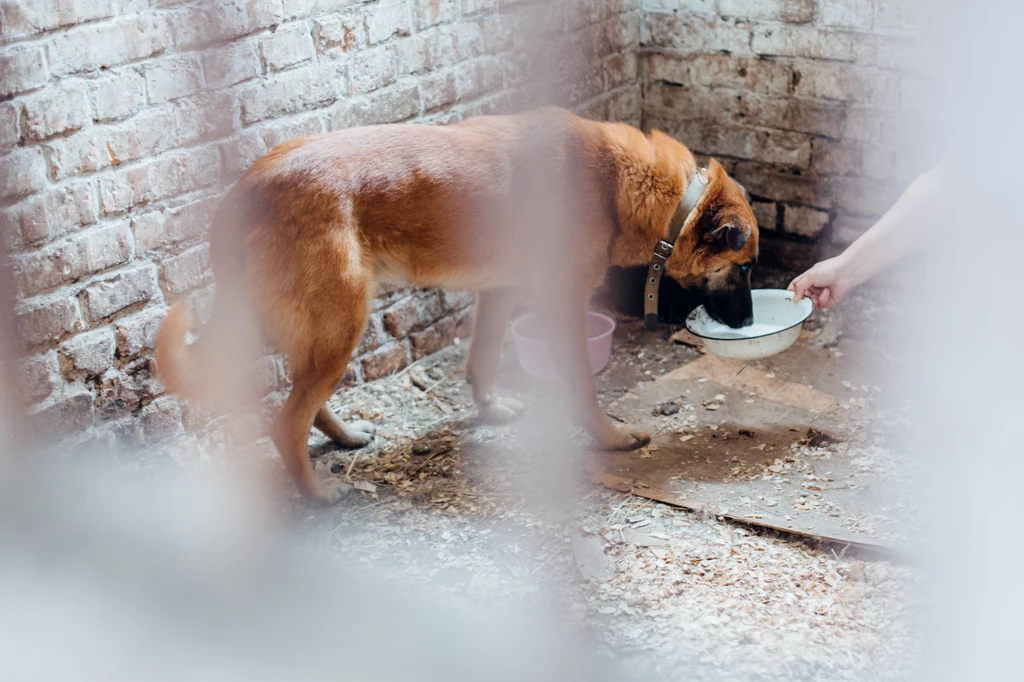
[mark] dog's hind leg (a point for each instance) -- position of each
(311, 387)
(318, 363)
(494, 308)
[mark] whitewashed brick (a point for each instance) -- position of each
(783, 148)
(476, 78)
(231, 64)
(803, 221)
(432, 49)
(790, 11)
(47, 318)
(780, 185)
(165, 227)
(299, 9)
(753, 75)
(707, 7)
(241, 151)
(802, 41)
(10, 124)
(836, 157)
(82, 254)
(846, 82)
(53, 214)
(290, 92)
(372, 69)
(173, 77)
(231, 19)
(117, 96)
(21, 69)
(91, 352)
(469, 41)
(438, 90)
(620, 69)
(386, 20)
(63, 415)
(159, 179)
(434, 12)
(395, 103)
(25, 19)
(817, 117)
(693, 34)
(160, 420)
(765, 212)
(38, 376)
(471, 7)
(22, 171)
(58, 110)
(846, 13)
(187, 271)
(129, 287)
(624, 105)
(209, 116)
(95, 46)
(714, 139)
(279, 132)
(341, 33)
(137, 333)
(83, 152)
(287, 46)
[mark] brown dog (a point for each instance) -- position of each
(540, 203)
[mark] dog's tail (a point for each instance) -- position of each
(174, 360)
(217, 369)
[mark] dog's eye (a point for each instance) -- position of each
(745, 268)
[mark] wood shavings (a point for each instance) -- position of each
(682, 595)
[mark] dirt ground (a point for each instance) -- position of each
(488, 516)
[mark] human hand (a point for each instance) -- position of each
(826, 284)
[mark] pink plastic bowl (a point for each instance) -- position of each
(535, 356)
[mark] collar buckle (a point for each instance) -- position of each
(663, 249)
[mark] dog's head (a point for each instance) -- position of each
(717, 250)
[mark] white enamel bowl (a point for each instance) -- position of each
(776, 327)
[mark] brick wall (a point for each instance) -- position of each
(816, 106)
(123, 121)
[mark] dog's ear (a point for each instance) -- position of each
(733, 235)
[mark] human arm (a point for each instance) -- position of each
(890, 239)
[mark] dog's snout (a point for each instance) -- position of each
(735, 309)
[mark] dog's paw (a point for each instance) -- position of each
(625, 437)
(329, 492)
(357, 434)
(501, 411)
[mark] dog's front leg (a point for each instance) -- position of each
(566, 320)
(494, 308)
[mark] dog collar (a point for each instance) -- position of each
(663, 249)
